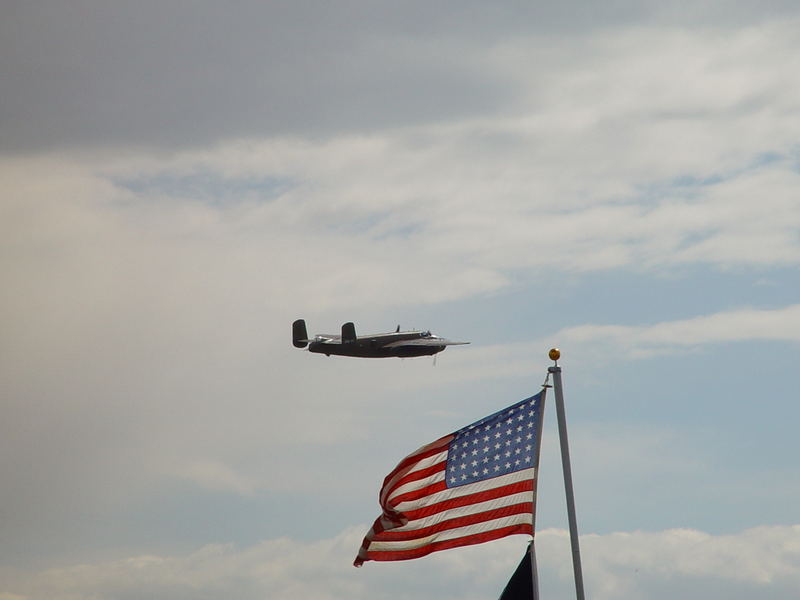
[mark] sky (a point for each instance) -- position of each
(179, 181)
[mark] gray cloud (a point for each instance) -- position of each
(187, 73)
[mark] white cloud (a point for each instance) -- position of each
(590, 344)
(647, 564)
(620, 566)
(781, 324)
(134, 317)
(215, 475)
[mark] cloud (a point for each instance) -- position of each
(153, 324)
(215, 475)
(591, 344)
(626, 565)
(305, 173)
(160, 75)
(781, 325)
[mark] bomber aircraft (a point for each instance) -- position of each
(402, 344)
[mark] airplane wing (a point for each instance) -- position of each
(429, 341)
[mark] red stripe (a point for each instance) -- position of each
(401, 518)
(526, 485)
(469, 540)
(422, 453)
(377, 529)
(417, 494)
(407, 465)
(481, 517)
(417, 475)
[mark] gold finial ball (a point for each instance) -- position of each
(554, 354)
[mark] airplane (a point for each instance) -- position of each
(402, 344)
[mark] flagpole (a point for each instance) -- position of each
(555, 370)
(534, 569)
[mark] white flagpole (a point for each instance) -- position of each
(534, 572)
(540, 425)
(555, 370)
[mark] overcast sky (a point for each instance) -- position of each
(181, 180)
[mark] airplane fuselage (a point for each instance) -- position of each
(401, 344)
(375, 347)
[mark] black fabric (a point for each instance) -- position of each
(520, 586)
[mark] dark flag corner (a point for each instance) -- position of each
(520, 586)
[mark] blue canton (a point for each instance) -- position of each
(499, 444)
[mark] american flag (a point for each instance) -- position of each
(469, 487)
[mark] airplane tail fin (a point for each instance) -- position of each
(299, 334)
(348, 333)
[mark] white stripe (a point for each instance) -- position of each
(413, 468)
(452, 534)
(464, 490)
(413, 486)
(463, 511)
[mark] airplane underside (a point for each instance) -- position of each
(366, 352)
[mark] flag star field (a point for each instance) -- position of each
(504, 442)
